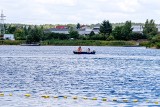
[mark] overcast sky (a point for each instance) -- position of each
(82, 11)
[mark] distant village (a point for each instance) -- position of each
(83, 30)
(86, 30)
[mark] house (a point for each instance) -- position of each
(158, 27)
(139, 28)
(96, 29)
(66, 31)
(8, 37)
(57, 30)
(60, 27)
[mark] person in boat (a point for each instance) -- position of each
(88, 50)
(79, 49)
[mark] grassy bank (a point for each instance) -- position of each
(77, 43)
(88, 43)
(11, 42)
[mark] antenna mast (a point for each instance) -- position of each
(2, 29)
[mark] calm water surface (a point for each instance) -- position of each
(113, 73)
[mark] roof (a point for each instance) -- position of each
(55, 29)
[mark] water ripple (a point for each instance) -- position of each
(114, 72)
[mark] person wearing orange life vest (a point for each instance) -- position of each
(79, 49)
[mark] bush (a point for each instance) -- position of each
(10, 42)
(137, 36)
(155, 41)
(144, 43)
(81, 37)
(60, 36)
(120, 43)
(98, 37)
(110, 38)
(158, 45)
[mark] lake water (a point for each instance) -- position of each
(128, 75)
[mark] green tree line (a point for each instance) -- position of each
(123, 31)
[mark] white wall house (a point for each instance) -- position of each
(158, 27)
(139, 28)
(9, 36)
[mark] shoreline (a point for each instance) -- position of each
(76, 43)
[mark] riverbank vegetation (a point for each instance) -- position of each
(119, 35)
(11, 42)
(57, 42)
(88, 43)
(155, 42)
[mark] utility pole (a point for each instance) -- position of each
(2, 29)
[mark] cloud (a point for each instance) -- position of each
(57, 2)
(129, 5)
(74, 11)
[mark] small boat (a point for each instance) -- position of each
(76, 52)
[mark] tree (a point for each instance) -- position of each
(5, 27)
(127, 30)
(78, 26)
(150, 29)
(106, 27)
(20, 34)
(26, 30)
(29, 28)
(123, 32)
(136, 36)
(117, 34)
(155, 41)
(73, 33)
(11, 29)
(110, 38)
(35, 35)
(91, 34)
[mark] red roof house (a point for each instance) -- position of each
(60, 27)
